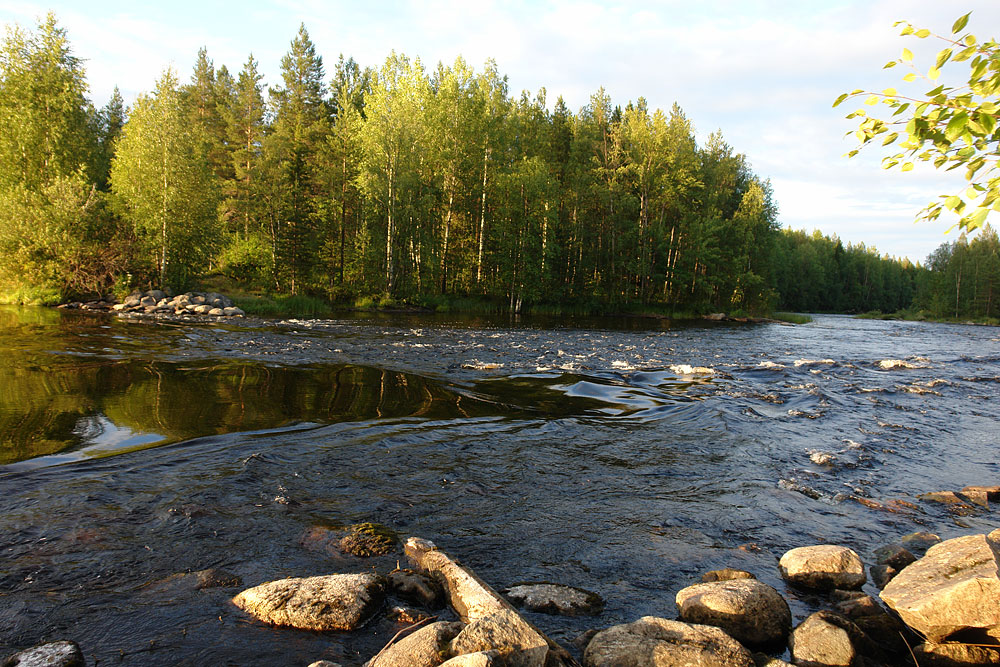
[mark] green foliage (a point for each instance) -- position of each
(792, 318)
(950, 127)
(164, 188)
(289, 305)
(246, 259)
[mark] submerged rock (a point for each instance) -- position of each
(918, 543)
(823, 567)
(52, 654)
(369, 539)
(748, 610)
(332, 602)
(658, 642)
(427, 647)
(954, 587)
(555, 599)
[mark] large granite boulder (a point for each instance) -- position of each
(954, 587)
(479, 659)
(53, 654)
(332, 602)
(823, 567)
(417, 587)
(427, 647)
(658, 642)
(748, 610)
(826, 639)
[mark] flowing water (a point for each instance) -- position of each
(625, 457)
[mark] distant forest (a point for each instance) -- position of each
(407, 185)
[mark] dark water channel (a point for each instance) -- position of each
(582, 453)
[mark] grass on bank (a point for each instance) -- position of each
(30, 296)
(791, 318)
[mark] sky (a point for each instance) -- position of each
(763, 72)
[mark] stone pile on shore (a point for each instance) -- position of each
(943, 610)
(159, 303)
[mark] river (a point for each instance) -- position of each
(599, 453)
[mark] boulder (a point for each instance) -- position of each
(480, 659)
(765, 660)
(424, 648)
(216, 311)
(232, 311)
(332, 602)
(516, 642)
(955, 655)
(53, 654)
(954, 587)
(324, 663)
(750, 611)
(823, 567)
(147, 302)
(884, 629)
(882, 575)
(159, 295)
(725, 574)
(417, 588)
(826, 639)
(555, 599)
(658, 642)
(895, 555)
(991, 492)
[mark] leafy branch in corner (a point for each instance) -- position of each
(949, 127)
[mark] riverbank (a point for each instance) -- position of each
(926, 316)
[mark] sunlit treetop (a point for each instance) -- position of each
(949, 127)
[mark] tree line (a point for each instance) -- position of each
(395, 184)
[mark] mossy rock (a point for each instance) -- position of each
(369, 539)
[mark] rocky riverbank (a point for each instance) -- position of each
(939, 606)
(164, 304)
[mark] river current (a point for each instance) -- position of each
(621, 456)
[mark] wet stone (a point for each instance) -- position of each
(956, 655)
(658, 642)
(555, 599)
(918, 543)
(53, 654)
(826, 639)
(425, 647)
(895, 555)
(417, 587)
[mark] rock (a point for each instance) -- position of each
(216, 311)
(826, 639)
(232, 311)
(324, 663)
(423, 648)
(750, 611)
(517, 643)
(406, 615)
(991, 492)
(918, 543)
(976, 496)
(216, 578)
(369, 539)
(472, 598)
(197, 299)
(895, 555)
(157, 294)
(119, 307)
(822, 567)
(332, 602)
(955, 586)
(417, 588)
(147, 302)
(725, 574)
(555, 599)
(52, 654)
(657, 642)
(875, 622)
(882, 575)
(944, 497)
(479, 659)
(955, 655)
(132, 301)
(765, 660)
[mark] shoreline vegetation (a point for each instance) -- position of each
(405, 185)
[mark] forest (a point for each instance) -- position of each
(408, 185)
